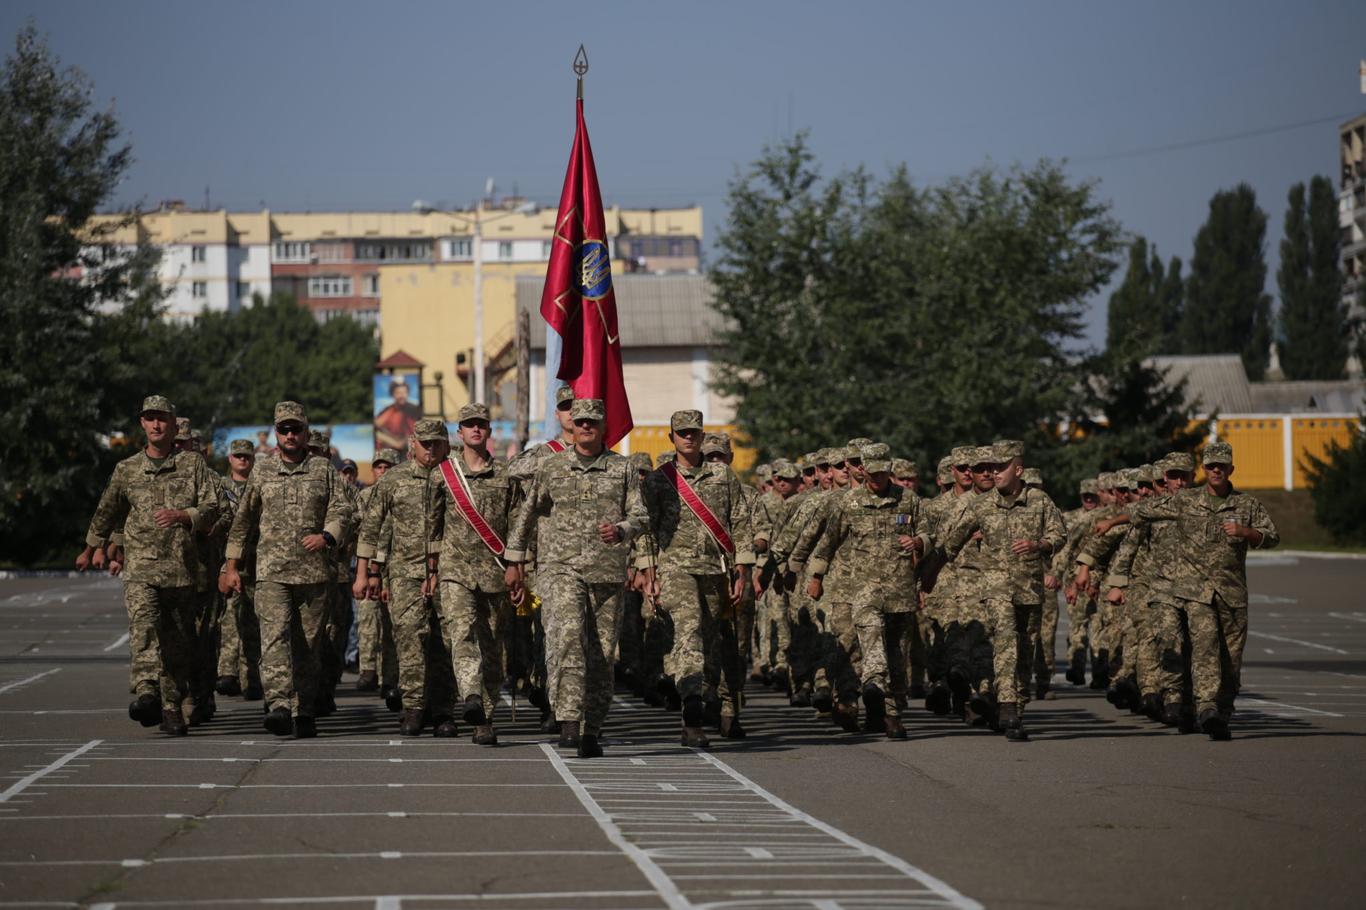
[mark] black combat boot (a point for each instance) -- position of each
(569, 734)
(146, 710)
(893, 728)
(368, 681)
(412, 722)
(1076, 668)
(1213, 725)
(1100, 671)
(484, 736)
(173, 721)
(939, 700)
(279, 721)
(731, 729)
(589, 747)
(1013, 723)
(874, 709)
(443, 727)
(711, 707)
(474, 711)
(393, 698)
(228, 685)
(305, 727)
(823, 699)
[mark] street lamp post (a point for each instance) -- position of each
(477, 224)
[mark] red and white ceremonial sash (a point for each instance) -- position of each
(699, 508)
(555, 446)
(464, 501)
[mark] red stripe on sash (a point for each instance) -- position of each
(456, 484)
(699, 508)
(555, 446)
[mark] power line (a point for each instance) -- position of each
(1209, 140)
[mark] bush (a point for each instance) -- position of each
(1339, 490)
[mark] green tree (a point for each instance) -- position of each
(1338, 486)
(59, 160)
(1145, 311)
(1315, 331)
(921, 317)
(1227, 308)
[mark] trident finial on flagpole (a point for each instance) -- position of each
(581, 67)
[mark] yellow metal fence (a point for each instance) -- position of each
(1269, 450)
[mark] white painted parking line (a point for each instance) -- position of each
(1296, 641)
(24, 783)
(368, 900)
(220, 816)
(118, 642)
(18, 683)
(324, 855)
(1273, 707)
(317, 760)
(1351, 617)
(705, 794)
(209, 786)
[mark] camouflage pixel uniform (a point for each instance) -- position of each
(694, 575)
(282, 504)
(474, 603)
(579, 577)
(1012, 585)
(399, 504)
(798, 630)
(161, 565)
(1206, 586)
(864, 527)
(239, 648)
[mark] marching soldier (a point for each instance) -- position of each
(470, 501)
(239, 649)
(374, 632)
(295, 507)
(161, 498)
(583, 508)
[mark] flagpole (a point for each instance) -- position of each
(581, 67)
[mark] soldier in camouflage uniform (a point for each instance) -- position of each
(936, 629)
(374, 631)
(1063, 569)
(476, 612)
(239, 648)
(529, 644)
(1207, 583)
(880, 527)
(584, 509)
(692, 576)
(1045, 651)
(295, 507)
(906, 473)
(161, 499)
(426, 684)
(1081, 597)
(1021, 529)
(772, 636)
(337, 624)
(631, 661)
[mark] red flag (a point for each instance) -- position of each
(578, 302)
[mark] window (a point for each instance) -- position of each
(546, 246)
(329, 286)
(394, 250)
(505, 249)
(367, 318)
(369, 286)
(459, 248)
(332, 252)
(199, 289)
(243, 289)
(198, 254)
(292, 251)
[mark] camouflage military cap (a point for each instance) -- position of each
(1032, 476)
(809, 459)
(182, 429)
(472, 411)
(983, 455)
(1087, 487)
(1217, 452)
(1007, 449)
(942, 473)
(1105, 480)
(763, 471)
(290, 410)
(876, 457)
(1127, 479)
(903, 468)
(685, 420)
(962, 455)
(349, 465)
(564, 394)
(1180, 461)
(430, 429)
(157, 403)
(588, 409)
(716, 442)
(197, 435)
(386, 456)
(316, 439)
(642, 461)
(241, 447)
(785, 470)
(858, 442)
(665, 457)
(1148, 473)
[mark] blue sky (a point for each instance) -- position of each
(349, 105)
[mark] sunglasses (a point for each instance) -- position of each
(586, 422)
(290, 429)
(481, 424)
(564, 405)
(715, 456)
(241, 455)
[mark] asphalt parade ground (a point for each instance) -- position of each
(1101, 808)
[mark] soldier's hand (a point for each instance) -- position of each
(98, 559)
(1070, 595)
(230, 581)
(166, 518)
(373, 587)
(652, 586)
(429, 585)
(116, 565)
(1023, 546)
(1050, 582)
(1082, 578)
(1104, 525)
(609, 532)
(737, 588)
(1116, 596)
(360, 588)
(976, 535)
(512, 577)
(814, 590)
(313, 542)
(1235, 530)
(83, 559)
(757, 583)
